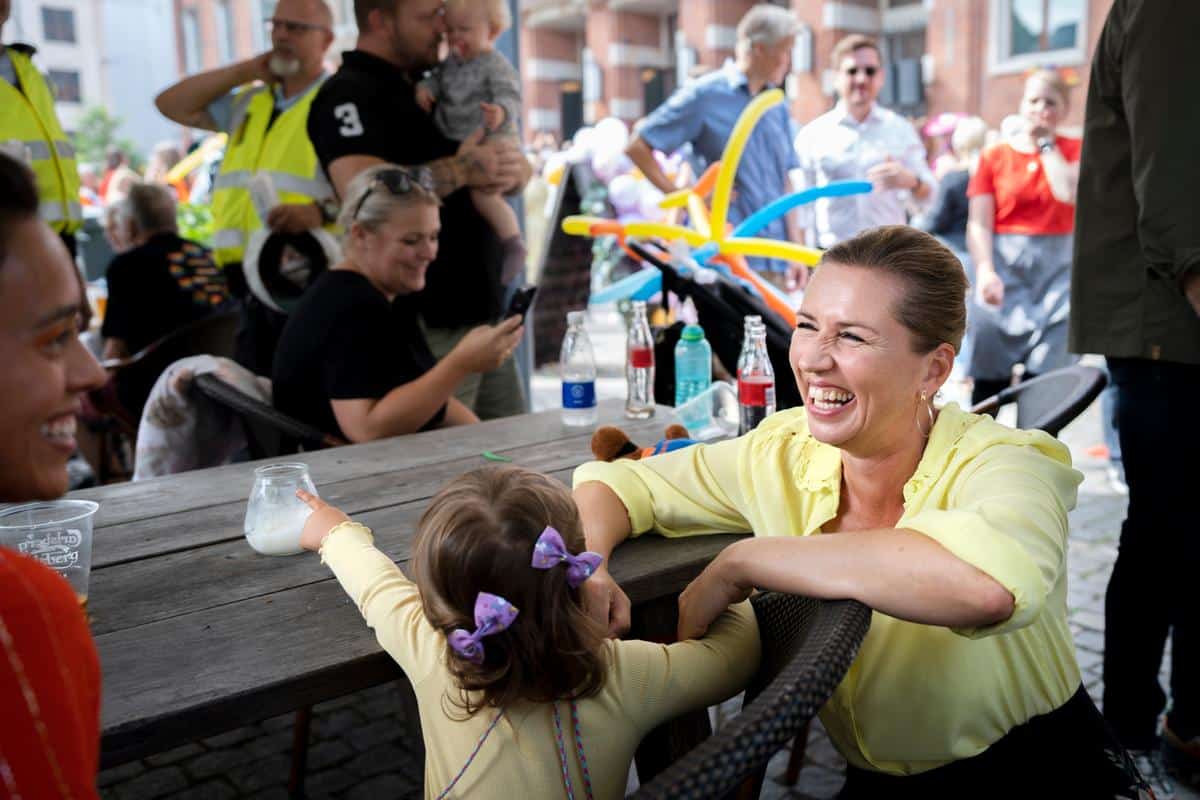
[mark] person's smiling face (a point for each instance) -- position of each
(47, 367)
(398, 253)
(854, 362)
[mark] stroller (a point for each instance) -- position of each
(721, 307)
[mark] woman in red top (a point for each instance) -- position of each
(1019, 234)
(49, 672)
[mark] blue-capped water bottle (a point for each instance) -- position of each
(578, 374)
(693, 364)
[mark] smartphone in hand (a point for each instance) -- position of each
(522, 299)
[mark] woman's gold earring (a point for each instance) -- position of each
(929, 410)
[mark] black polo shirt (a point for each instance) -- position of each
(368, 108)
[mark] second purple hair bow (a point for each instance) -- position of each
(492, 614)
(550, 551)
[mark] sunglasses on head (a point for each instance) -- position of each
(868, 71)
(397, 181)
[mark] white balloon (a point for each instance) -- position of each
(584, 140)
(611, 132)
(624, 194)
(609, 164)
(648, 201)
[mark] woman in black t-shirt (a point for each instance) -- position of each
(352, 359)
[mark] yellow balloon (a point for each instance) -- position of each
(676, 199)
(733, 154)
(196, 157)
(579, 225)
(554, 177)
(698, 215)
(641, 230)
(771, 248)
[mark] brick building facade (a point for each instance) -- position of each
(582, 60)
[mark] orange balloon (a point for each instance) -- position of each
(738, 266)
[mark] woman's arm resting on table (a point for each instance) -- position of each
(457, 413)
(402, 410)
(605, 525)
(898, 572)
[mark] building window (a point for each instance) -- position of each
(66, 85)
(58, 24)
(191, 41)
(225, 43)
(1031, 33)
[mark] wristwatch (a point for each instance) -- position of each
(1045, 144)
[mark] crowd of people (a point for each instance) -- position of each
(950, 526)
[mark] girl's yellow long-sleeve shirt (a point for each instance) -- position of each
(646, 685)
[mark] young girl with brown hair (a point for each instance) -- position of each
(516, 685)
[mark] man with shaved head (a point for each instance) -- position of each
(266, 119)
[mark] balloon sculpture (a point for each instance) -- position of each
(712, 239)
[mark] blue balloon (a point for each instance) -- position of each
(638, 286)
(754, 223)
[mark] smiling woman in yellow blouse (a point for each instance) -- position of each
(952, 527)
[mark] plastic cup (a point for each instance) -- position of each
(712, 414)
(58, 533)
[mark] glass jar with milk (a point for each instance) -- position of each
(275, 516)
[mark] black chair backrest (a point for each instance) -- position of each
(1050, 401)
(214, 335)
(808, 646)
(268, 432)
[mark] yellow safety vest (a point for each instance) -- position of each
(281, 150)
(27, 116)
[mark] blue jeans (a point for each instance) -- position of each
(1108, 419)
(1152, 591)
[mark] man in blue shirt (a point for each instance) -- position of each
(704, 112)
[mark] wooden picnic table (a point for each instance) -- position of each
(198, 634)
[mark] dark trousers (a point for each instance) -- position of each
(1153, 590)
(1068, 752)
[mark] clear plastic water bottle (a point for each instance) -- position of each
(639, 365)
(578, 374)
(756, 380)
(693, 364)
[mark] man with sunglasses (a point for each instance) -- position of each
(860, 140)
(366, 114)
(266, 120)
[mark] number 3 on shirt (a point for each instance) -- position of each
(347, 114)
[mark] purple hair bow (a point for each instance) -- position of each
(492, 614)
(550, 551)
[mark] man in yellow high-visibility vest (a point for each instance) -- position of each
(31, 132)
(266, 120)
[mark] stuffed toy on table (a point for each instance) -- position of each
(610, 443)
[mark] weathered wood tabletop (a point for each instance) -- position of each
(198, 634)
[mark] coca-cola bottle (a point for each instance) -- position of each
(639, 365)
(756, 379)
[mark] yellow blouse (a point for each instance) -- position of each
(917, 696)
(646, 685)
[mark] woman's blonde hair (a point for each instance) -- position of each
(1055, 81)
(968, 140)
(478, 535)
(370, 203)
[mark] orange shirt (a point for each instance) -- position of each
(49, 685)
(1024, 202)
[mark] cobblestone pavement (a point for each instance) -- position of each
(358, 750)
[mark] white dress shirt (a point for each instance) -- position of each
(837, 147)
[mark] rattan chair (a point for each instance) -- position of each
(808, 645)
(269, 433)
(1051, 400)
